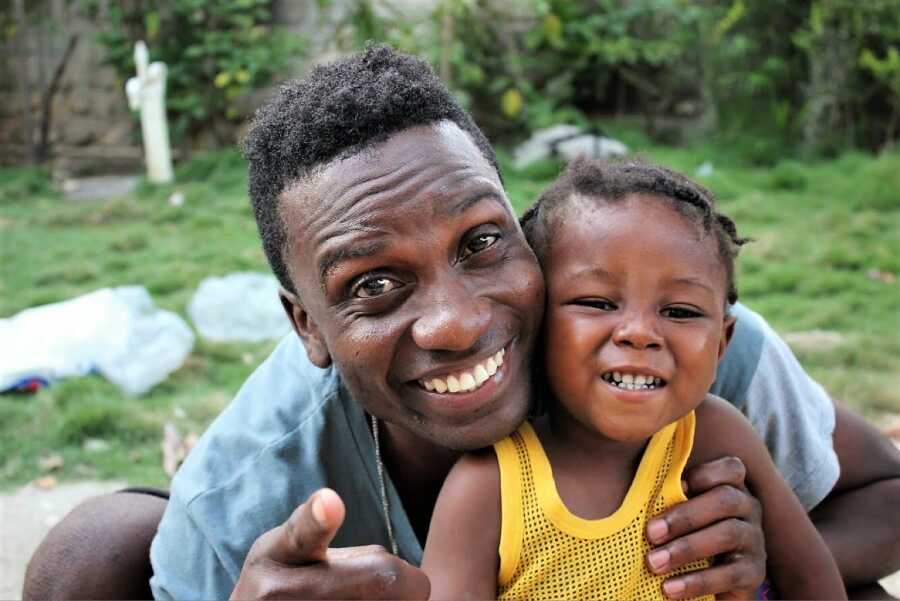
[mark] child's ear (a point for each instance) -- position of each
(306, 329)
(727, 333)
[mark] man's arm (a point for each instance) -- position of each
(859, 519)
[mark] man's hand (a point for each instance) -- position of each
(720, 520)
(293, 561)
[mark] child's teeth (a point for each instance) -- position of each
(481, 374)
(439, 385)
(429, 386)
(632, 381)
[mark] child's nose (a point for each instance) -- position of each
(638, 332)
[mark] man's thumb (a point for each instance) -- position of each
(305, 536)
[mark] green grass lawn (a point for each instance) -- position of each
(826, 256)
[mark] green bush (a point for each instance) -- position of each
(780, 71)
(23, 183)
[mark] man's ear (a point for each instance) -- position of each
(727, 333)
(306, 329)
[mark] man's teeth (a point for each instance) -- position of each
(467, 380)
(633, 381)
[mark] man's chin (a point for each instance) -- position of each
(481, 432)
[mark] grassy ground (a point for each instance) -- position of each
(826, 256)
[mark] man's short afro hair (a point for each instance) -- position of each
(337, 111)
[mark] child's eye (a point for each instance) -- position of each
(680, 313)
(596, 303)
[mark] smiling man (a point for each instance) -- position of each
(416, 303)
(420, 279)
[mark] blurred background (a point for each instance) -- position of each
(788, 110)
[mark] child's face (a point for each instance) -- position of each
(635, 293)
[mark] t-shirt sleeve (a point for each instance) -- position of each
(185, 564)
(791, 412)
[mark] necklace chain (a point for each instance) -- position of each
(379, 465)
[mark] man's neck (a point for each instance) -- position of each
(418, 468)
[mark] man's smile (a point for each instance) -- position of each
(469, 390)
(465, 380)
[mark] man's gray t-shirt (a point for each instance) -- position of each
(293, 429)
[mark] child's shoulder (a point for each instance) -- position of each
(714, 410)
(721, 430)
(476, 472)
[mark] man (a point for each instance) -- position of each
(383, 215)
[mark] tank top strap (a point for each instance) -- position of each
(509, 459)
(682, 445)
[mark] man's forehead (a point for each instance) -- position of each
(443, 141)
(432, 171)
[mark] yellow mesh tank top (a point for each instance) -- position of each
(546, 552)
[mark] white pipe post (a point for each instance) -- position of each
(147, 94)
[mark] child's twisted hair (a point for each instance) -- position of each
(611, 181)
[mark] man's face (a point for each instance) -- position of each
(414, 278)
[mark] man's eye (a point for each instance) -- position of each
(680, 313)
(479, 243)
(373, 287)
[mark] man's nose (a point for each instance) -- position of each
(637, 330)
(452, 319)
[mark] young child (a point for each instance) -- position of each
(639, 271)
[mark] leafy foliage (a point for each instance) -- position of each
(847, 96)
(818, 70)
(216, 51)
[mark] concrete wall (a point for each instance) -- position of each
(91, 124)
(92, 129)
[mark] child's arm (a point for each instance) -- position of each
(798, 562)
(461, 555)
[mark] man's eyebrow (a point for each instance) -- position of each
(453, 208)
(330, 259)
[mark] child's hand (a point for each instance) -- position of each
(720, 520)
